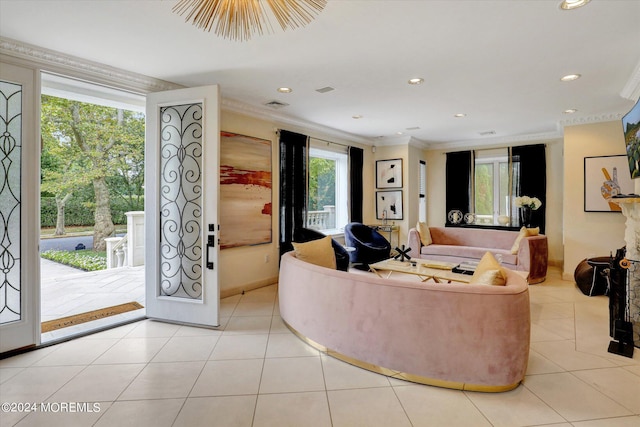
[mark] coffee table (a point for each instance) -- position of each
(424, 269)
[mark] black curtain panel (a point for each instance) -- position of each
(356, 158)
(293, 186)
(530, 162)
(458, 182)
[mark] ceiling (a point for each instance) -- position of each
(498, 62)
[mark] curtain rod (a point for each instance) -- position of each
(329, 142)
(320, 139)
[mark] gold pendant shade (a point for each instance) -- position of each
(241, 19)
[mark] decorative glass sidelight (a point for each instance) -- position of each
(10, 201)
(181, 201)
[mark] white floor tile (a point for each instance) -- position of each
(240, 347)
(292, 410)
(616, 383)
(518, 407)
(132, 350)
(141, 413)
(85, 414)
(288, 345)
(163, 381)
(229, 377)
(369, 407)
(572, 398)
(98, 383)
(564, 354)
(186, 349)
(227, 411)
(290, 375)
(248, 325)
(433, 406)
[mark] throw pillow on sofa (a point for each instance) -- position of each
(424, 233)
(318, 252)
(489, 272)
(524, 232)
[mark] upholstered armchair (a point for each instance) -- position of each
(306, 235)
(370, 246)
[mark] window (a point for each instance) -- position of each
(327, 208)
(491, 185)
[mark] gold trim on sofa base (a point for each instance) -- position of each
(401, 375)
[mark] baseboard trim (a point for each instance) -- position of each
(224, 293)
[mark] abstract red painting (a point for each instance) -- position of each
(245, 190)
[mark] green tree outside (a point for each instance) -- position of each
(86, 144)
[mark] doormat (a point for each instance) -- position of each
(89, 316)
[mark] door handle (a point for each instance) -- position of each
(211, 243)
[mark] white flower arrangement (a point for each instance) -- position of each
(528, 202)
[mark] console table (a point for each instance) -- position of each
(388, 228)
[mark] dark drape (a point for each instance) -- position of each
(356, 158)
(531, 181)
(458, 182)
(293, 186)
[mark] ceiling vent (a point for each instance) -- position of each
(488, 132)
(276, 104)
(414, 128)
(325, 89)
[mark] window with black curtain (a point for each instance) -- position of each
(529, 178)
(293, 186)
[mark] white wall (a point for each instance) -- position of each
(588, 233)
(410, 156)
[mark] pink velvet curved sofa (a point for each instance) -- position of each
(454, 335)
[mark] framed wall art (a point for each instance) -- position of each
(245, 190)
(389, 173)
(389, 204)
(605, 176)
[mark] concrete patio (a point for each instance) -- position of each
(66, 291)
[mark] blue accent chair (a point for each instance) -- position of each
(370, 246)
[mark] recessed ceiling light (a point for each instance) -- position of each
(285, 90)
(570, 77)
(570, 111)
(416, 81)
(399, 133)
(459, 115)
(357, 116)
(573, 4)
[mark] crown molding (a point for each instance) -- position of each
(264, 113)
(632, 89)
(607, 117)
(496, 141)
(57, 62)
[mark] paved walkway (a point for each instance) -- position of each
(66, 291)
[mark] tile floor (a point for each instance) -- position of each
(254, 372)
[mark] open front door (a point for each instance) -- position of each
(19, 221)
(182, 177)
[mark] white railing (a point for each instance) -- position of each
(322, 220)
(117, 251)
(127, 251)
